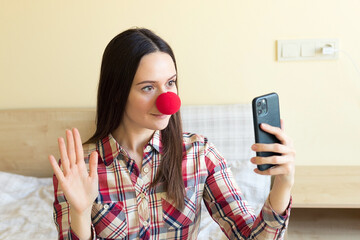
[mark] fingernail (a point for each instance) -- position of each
(253, 147)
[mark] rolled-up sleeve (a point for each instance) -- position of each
(227, 206)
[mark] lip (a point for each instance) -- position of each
(161, 116)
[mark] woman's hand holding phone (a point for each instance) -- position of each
(285, 162)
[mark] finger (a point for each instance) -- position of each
(274, 147)
(282, 124)
(70, 147)
(55, 166)
(270, 160)
(93, 162)
(78, 147)
(276, 170)
(279, 134)
(64, 158)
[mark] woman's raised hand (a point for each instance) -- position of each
(79, 186)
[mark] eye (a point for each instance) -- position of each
(171, 83)
(147, 88)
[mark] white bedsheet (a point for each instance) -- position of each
(26, 208)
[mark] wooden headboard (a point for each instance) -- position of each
(28, 136)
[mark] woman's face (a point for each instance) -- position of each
(156, 74)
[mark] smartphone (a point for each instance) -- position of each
(266, 110)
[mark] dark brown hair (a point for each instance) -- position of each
(120, 61)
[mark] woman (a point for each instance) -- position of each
(142, 178)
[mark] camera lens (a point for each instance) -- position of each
(258, 103)
(259, 111)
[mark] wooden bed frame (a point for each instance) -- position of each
(28, 136)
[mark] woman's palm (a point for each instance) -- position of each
(80, 187)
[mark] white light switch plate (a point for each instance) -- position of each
(305, 49)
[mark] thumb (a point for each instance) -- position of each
(93, 163)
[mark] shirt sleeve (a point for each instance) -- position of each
(61, 215)
(230, 210)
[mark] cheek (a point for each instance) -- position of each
(142, 103)
(173, 89)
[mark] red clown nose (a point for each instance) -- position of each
(168, 103)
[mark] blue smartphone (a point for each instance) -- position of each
(266, 109)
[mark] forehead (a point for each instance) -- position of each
(155, 66)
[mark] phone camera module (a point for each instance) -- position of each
(261, 107)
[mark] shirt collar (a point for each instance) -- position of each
(155, 141)
(109, 148)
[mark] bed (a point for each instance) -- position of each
(28, 136)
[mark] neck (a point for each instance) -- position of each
(131, 139)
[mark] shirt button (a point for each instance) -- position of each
(140, 181)
(142, 195)
(146, 170)
(106, 206)
(145, 223)
(148, 148)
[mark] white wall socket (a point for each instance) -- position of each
(306, 49)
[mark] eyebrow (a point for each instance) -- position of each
(149, 81)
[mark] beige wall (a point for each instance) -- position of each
(50, 53)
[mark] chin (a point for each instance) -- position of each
(157, 123)
(160, 125)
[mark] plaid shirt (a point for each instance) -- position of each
(126, 208)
